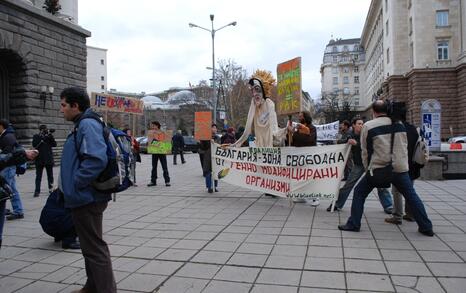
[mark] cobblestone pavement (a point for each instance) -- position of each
(182, 239)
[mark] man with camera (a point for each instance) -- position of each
(44, 142)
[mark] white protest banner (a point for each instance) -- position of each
(328, 131)
(304, 172)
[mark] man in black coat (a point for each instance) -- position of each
(178, 145)
(44, 142)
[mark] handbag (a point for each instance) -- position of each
(382, 177)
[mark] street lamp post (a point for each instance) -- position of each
(212, 32)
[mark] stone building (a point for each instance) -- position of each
(40, 55)
(415, 51)
(342, 72)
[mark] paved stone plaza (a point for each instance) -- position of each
(182, 239)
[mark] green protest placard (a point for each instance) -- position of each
(289, 87)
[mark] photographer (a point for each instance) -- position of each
(44, 142)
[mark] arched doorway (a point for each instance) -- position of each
(12, 71)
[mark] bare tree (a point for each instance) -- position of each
(336, 107)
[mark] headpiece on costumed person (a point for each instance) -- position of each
(266, 79)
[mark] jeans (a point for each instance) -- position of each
(163, 162)
(9, 174)
(2, 217)
(403, 183)
(39, 171)
(398, 205)
(208, 180)
(353, 177)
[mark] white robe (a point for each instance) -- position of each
(264, 121)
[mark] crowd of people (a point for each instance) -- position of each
(74, 211)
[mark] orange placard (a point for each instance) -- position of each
(202, 125)
(289, 87)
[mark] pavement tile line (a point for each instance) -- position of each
(205, 245)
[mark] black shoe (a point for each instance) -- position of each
(429, 233)
(271, 195)
(36, 194)
(174, 163)
(345, 227)
(335, 209)
(168, 184)
(216, 190)
(151, 184)
(56, 239)
(184, 162)
(14, 216)
(210, 190)
(7, 212)
(70, 245)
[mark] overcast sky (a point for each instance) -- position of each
(151, 47)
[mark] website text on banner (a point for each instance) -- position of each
(305, 172)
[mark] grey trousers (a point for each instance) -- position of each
(397, 212)
(88, 224)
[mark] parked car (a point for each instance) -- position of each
(190, 144)
(457, 139)
(142, 144)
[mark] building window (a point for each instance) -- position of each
(102, 62)
(335, 90)
(345, 48)
(335, 80)
(386, 28)
(356, 102)
(334, 70)
(334, 49)
(345, 69)
(410, 25)
(442, 50)
(102, 78)
(388, 55)
(355, 57)
(335, 58)
(356, 91)
(411, 54)
(356, 68)
(356, 79)
(346, 91)
(345, 79)
(442, 17)
(356, 48)
(102, 87)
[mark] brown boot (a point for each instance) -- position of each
(393, 220)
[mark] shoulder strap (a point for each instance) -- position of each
(91, 115)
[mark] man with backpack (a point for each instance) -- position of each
(8, 144)
(83, 160)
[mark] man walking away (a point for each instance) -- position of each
(44, 142)
(178, 146)
(84, 158)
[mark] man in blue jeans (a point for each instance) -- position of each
(357, 171)
(376, 138)
(8, 144)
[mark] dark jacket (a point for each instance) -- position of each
(44, 144)
(228, 138)
(178, 141)
(77, 175)
(205, 147)
(356, 149)
(8, 141)
(301, 139)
